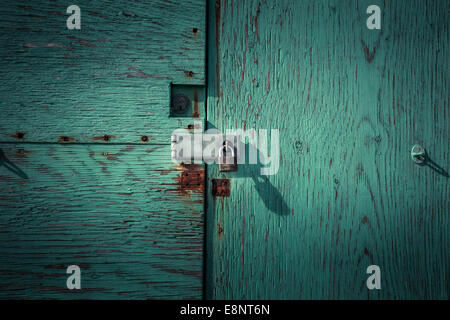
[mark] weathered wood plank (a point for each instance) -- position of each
(350, 103)
(112, 77)
(124, 214)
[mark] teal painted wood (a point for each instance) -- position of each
(123, 212)
(109, 78)
(118, 212)
(350, 103)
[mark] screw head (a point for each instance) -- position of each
(418, 154)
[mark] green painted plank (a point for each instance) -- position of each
(122, 213)
(350, 103)
(112, 77)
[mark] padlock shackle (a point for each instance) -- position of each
(226, 145)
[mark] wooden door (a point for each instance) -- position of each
(86, 176)
(349, 103)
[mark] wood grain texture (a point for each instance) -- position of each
(86, 176)
(110, 78)
(121, 213)
(350, 103)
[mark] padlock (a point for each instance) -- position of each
(418, 154)
(227, 158)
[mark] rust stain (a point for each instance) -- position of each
(18, 135)
(189, 74)
(220, 188)
(219, 230)
(106, 138)
(188, 166)
(195, 114)
(191, 179)
(66, 139)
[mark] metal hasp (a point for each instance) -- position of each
(219, 148)
(418, 154)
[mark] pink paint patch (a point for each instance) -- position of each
(30, 45)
